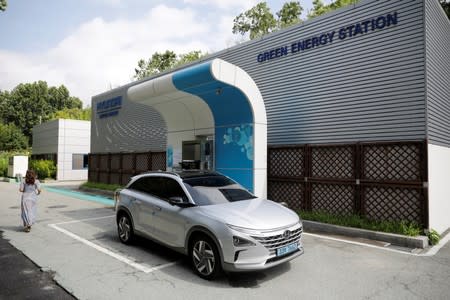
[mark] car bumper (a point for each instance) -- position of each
(269, 263)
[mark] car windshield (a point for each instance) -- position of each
(215, 190)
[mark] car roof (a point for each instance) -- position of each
(196, 173)
(184, 174)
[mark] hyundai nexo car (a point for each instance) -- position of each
(210, 218)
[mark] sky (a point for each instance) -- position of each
(91, 46)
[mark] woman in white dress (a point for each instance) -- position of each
(30, 189)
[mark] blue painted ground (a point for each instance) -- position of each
(82, 196)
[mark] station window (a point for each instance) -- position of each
(79, 161)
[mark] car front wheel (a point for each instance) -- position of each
(205, 258)
(125, 229)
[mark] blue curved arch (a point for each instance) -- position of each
(233, 116)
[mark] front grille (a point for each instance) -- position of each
(274, 242)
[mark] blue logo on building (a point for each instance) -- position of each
(109, 108)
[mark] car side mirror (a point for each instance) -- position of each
(175, 200)
(178, 201)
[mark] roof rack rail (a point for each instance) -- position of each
(158, 172)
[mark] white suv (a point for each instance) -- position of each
(210, 218)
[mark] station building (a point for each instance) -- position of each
(346, 113)
(67, 143)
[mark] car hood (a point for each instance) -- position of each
(258, 214)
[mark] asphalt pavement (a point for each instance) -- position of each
(75, 244)
(22, 279)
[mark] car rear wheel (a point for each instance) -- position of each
(205, 257)
(125, 229)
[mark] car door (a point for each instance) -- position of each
(168, 220)
(145, 196)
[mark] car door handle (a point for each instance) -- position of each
(156, 208)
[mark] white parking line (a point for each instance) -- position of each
(99, 248)
(83, 220)
(430, 252)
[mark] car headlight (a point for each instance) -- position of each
(241, 242)
(244, 230)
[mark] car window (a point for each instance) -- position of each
(236, 194)
(171, 188)
(161, 187)
(153, 186)
(138, 185)
(215, 190)
(211, 181)
(149, 185)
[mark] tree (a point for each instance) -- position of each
(4, 95)
(160, 62)
(156, 64)
(12, 138)
(72, 113)
(259, 21)
(189, 57)
(59, 98)
(289, 14)
(29, 104)
(446, 6)
(3, 5)
(319, 8)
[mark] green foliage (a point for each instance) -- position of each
(102, 186)
(433, 236)
(12, 138)
(289, 14)
(160, 62)
(259, 20)
(4, 160)
(43, 168)
(156, 64)
(319, 8)
(29, 104)
(402, 227)
(3, 5)
(189, 57)
(73, 113)
(3, 165)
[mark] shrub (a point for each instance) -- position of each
(4, 160)
(3, 166)
(352, 220)
(433, 236)
(43, 168)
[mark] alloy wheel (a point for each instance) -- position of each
(124, 228)
(203, 257)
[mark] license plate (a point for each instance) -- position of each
(287, 249)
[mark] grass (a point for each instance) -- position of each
(102, 186)
(402, 227)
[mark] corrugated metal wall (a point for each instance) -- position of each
(366, 88)
(438, 74)
(136, 128)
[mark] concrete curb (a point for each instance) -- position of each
(7, 179)
(394, 239)
(97, 191)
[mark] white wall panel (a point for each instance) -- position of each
(439, 187)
